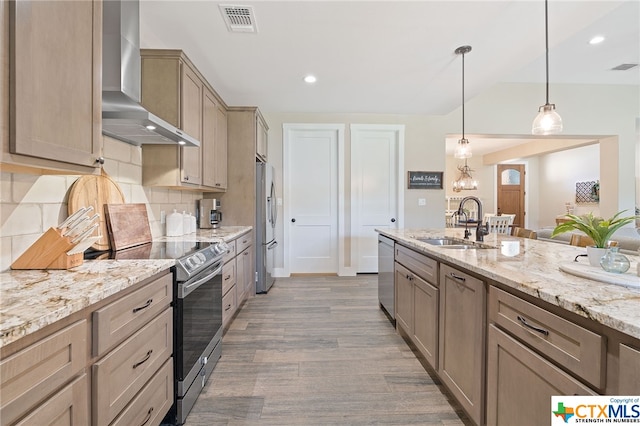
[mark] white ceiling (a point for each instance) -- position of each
(393, 57)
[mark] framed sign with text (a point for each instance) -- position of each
(425, 180)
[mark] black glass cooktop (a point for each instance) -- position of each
(157, 250)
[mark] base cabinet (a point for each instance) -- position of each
(404, 299)
(462, 338)
(425, 325)
(56, 376)
(520, 383)
(237, 276)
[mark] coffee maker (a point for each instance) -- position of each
(209, 214)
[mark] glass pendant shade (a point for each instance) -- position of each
(547, 122)
(463, 149)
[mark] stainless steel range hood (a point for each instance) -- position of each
(123, 117)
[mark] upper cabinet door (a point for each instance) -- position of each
(220, 170)
(261, 138)
(56, 89)
(191, 123)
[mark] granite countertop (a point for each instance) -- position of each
(533, 267)
(33, 299)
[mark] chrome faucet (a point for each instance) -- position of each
(481, 229)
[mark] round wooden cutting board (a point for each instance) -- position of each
(96, 191)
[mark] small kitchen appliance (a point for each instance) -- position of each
(209, 214)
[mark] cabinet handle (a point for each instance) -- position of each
(457, 277)
(227, 277)
(218, 184)
(100, 160)
(186, 178)
(145, 306)
(148, 417)
(227, 308)
(526, 324)
(146, 358)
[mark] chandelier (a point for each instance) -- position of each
(465, 181)
(548, 121)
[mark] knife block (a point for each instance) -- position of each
(49, 252)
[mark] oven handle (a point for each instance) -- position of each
(185, 289)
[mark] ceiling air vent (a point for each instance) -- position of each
(239, 19)
(624, 67)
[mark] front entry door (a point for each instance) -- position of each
(511, 191)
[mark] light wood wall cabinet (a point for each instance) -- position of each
(462, 338)
(109, 363)
(52, 121)
(262, 138)
(174, 90)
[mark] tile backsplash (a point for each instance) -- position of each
(31, 204)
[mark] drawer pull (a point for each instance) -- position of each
(145, 306)
(457, 277)
(146, 358)
(228, 307)
(526, 324)
(148, 417)
(227, 277)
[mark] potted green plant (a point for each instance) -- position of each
(600, 230)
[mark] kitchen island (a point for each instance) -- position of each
(504, 328)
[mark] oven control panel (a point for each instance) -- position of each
(189, 265)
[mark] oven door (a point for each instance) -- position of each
(198, 323)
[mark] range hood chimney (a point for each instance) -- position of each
(123, 117)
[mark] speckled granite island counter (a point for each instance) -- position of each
(532, 267)
(33, 299)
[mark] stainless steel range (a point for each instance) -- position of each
(197, 323)
(197, 311)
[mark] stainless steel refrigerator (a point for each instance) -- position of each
(266, 216)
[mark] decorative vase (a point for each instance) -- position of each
(615, 262)
(594, 254)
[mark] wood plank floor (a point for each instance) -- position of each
(319, 351)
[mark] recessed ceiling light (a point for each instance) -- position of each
(596, 40)
(182, 143)
(151, 127)
(310, 79)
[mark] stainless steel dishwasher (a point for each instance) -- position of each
(386, 291)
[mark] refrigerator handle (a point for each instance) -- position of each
(272, 245)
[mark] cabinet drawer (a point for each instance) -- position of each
(520, 383)
(153, 402)
(423, 266)
(629, 372)
(577, 349)
(243, 242)
(70, 406)
(228, 304)
(232, 251)
(120, 319)
(228, 276)
(38, 370)
(120, 375)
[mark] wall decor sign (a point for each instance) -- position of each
(425, 180)
(587, 192)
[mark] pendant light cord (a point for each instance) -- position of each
(546, 46)
(463, 97)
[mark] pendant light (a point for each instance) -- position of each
(465, 181)
(463, 149)
(548, 121)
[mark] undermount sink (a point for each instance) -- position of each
(454, 243)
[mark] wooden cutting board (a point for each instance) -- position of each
(96, 191)
(127, 225)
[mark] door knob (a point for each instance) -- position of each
(393, 219)
(293, 220)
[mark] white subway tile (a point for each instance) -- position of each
(20, 244)
(5, 253)
(136, 155)
(130, 173)
(138, 195)
(175, 196)
(5, 187)
(160, 195)
(21, 185)
(111, 168)
(53, 214)
(20, 219)
(114, 149)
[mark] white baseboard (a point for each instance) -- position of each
(347, 272)
(279, 272)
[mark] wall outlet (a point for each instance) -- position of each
(163, 217)
(422, 202)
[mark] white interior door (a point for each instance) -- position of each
(311, 180)
(375, 189)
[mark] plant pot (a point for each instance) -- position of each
(595, 254)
